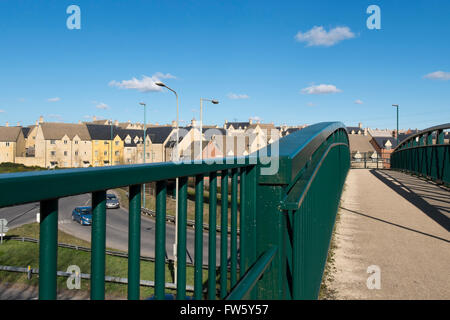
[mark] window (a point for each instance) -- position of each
(96, 153)
(106, 142)
(96, 142)
(65, 141)
(76, 153)
(65, 153)
(117, 143)
(7, 144)
(53, 153)
(52, 142)
(105, 153)
(116, 153)
(76, 142)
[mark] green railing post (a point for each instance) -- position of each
(98, 240)
(242, 223)
(160, 239)
(48, 246)
(249, 233)
(134, 242)
(224, 235)
(181, 248)
(198, 252)
(233, 225)
(212, 236)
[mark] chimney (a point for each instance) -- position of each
(360, 125)
(37, 123)
(116, 123)
(250, 121)
(193, 123)
(174, 123)
(94, 118)
(79, 121)
(41, 119)
(7, 123)
(18, 123)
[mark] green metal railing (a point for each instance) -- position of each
(285, 216)
(426, 154)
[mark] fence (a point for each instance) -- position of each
(286, 217)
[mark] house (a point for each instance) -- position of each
(12, 144)
(107, 145)
(62, 145)
(133, 146)
(159, 137)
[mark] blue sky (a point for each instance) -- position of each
(290, 62)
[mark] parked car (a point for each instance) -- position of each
(82, 215)
(111, 201)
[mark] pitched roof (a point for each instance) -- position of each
(159, 134)
(360, 143)
(101, 131)
(9, 134)
(56, 131)
(236, 125)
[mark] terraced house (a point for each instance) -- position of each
(107, 145)
(12, 144)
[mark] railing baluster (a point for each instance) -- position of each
(212, 236)
(233, 242)
(242, 223)
(224, 235)
(134, 242)
(160, 239)
(98, 240)
(198, 263)
(48, 246)
(181, 248)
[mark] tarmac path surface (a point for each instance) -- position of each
(393, 237)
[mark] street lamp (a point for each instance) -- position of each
(159, 83)
(201, 122)
(143, 104)
(396, 105)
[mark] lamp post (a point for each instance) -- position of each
(396, 105)
(201, 122)
(111, 147)
(143, 104)
(159, 83)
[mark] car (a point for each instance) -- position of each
(82, 215)
(112, 202)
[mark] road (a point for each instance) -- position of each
(116, 227)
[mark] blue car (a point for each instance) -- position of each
(82, 215)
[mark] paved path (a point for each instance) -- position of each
(399, 223)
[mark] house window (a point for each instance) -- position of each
(105, 153)
(106, 142)
(96, 142)
(53, 153)
(76, 153)
(52, 141)
(96, 153)
(65, 153)
(7, 144)
(117, 143)
(65, 141)
(76, 142)
(116, 153)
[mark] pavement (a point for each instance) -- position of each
(392, 238)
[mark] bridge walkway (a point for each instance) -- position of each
(399, 223)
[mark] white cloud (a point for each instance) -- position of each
(235, 96)
(438, 75)
(256, 118)
(358, 101)
(102, 105)
(146, 84)
(320, 89)
(318, 36)
(55, 99)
